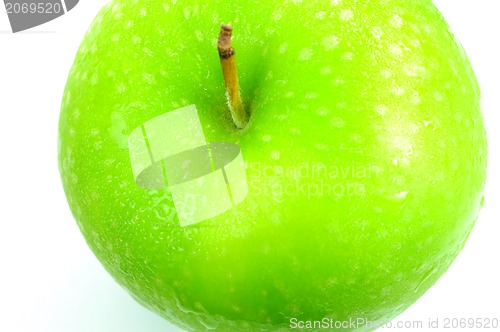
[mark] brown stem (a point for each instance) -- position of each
(230, 72)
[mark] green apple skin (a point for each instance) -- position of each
(379, 87)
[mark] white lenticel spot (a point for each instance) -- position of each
(321, 146)
(323, 111)
(397, 90)
(94, 79)
(346, 15)
(326, 71)
(347, 56)
(415, 43)
(381, 109)
(395, 50)
(377, 32)
(116, 8)
(305, 54)
(438, 96)
(320, 15)
(277, 15)
(337, 122)
(459, 118)
(121, 88)
(283, 47)
(413, 70)
(275, 155)
(199, 35)
(386, 73)
(338, 81)
(415, 98)
(129, 24)
(148, 78)
(143, 12)
(266, 138)
(330, 42)
(396, 21)
(401, 195)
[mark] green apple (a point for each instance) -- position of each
(365, 157)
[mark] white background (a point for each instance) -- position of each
(50, 280)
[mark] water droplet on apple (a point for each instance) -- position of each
(266, 138)
(396, 21)
(348, 56)
(401, 195)
(321, 147)
(330, 42)
(312, 95)
(322, 111)
(283, 48)
(337, 122)
(305, 54)
(346, 15)
(377, 32)
(395, 50)
(326, 71)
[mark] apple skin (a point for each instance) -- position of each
(348, 85)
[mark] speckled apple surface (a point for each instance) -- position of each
(366, 157)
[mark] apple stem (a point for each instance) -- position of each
(230, 72)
